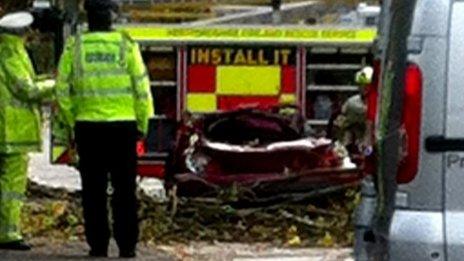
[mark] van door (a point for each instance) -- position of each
(388, 129)
(453, 143)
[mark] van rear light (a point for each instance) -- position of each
(373, 93)
(372, 96)
(411, 121)
(141, 148)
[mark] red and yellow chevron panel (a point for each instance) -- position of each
(202, 102)
(288, 79)
(201, 78)
(248, 80)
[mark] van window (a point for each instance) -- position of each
(455, 77)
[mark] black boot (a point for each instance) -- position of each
(19, 245)
(98, 253)
(127, 253)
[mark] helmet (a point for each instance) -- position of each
(17, 20)
(364, 76)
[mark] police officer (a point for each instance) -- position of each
(104, 95)
(20, 97)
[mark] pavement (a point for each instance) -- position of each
(58, 251)
(254, 252)
(55, 251)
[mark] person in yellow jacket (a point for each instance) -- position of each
(103, 93)
(20, 97)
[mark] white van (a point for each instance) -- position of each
(413, 207)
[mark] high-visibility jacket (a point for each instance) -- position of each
(19, 98)
(102, 78)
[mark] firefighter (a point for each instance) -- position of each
(20, 98)
(103, 93)
(351, 123)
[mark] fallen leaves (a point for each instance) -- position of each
(52, 213)
(323, 220)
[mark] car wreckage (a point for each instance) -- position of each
(261, 149)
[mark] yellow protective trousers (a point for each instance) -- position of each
(13, 180)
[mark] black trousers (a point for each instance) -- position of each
(108, 150)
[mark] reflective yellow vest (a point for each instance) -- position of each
(19, 98)
(102, 78)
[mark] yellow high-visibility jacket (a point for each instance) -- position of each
(20, 97)
(102, 78)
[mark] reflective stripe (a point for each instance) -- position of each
(141, 77)
(20, 143)
(107, 73)
(12, 195)
(103, 92)
(249, 34)
(141, 96)
(101, 42)
(121, 91)
(8, 228)
(14, 103)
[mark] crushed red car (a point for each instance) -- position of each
(265, 150)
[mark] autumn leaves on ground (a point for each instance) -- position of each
(321, 219)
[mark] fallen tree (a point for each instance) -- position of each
(317, 218)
